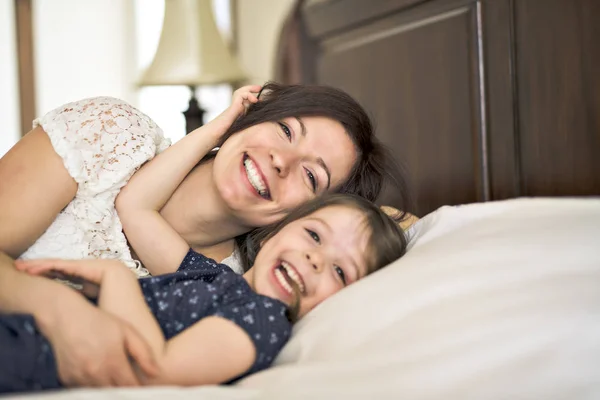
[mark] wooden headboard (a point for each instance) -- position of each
(480, 100)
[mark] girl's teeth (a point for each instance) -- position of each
(294, 275)
(283, 281)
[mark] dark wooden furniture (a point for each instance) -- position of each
(481, 100)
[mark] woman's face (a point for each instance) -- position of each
(264, 171)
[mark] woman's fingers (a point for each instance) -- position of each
(90, 270)
(38, 267)
(90, 290)
(35, 267)
(140, 353)
(43, 262)
(90, 349)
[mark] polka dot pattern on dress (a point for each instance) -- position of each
(201, 288)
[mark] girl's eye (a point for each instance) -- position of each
(286, 130)
(313, 180)
(314, 236)
(340, 272)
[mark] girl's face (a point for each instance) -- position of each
(263, 172)
(321, 253)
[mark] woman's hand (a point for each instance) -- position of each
(241, 100)
(85, 273)
(93, 348)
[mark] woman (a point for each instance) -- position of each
(59, 184)
(61, 180)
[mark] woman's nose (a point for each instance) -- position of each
(282, 161)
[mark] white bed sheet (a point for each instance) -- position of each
(495, 300)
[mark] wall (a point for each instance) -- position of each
(9, 100)
(83, 49)
(259, 25)
(87, 48)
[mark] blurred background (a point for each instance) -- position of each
(101, 48)
(479, 99)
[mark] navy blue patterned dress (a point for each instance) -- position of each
(200, 288)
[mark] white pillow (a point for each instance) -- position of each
(496, 300)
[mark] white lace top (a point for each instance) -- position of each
(102, 142)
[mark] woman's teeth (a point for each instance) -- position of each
(292, 274)
(255, 178)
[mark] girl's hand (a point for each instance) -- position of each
(85, 274)
(241, 100)
(90, 270)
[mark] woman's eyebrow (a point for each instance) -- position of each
(320, 161)
(302, 127)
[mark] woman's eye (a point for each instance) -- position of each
(314, 236)
(286, 130)
(313, 180)
(340, 272)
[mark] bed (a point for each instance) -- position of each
(493, 107)
(495, 300)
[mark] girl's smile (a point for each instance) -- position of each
(286, 276)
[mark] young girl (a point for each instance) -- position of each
(204, 323)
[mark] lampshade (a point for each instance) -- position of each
(191, 51)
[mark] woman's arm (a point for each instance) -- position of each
(212, 351)
(120, 293)
(91, 347)
(158, 245)
(34, 187)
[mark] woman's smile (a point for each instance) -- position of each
(260, 173)
(255, 177)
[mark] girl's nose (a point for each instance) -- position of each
(316, 260)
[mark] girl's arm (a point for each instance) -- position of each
(91, 347)
(212, 351)
(158, 245)
(120, 293)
